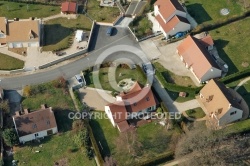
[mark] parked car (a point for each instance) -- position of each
(179, 35)
(109, 31)
(60, 53)
(79, 79)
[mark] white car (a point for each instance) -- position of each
(79, 79)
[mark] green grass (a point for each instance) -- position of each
(238, 127)
(204, 11)
(64, 29)
(134, 74)
(244, 91)
(233, 45)
(54, 148)
(102, 14)
(196, 113)
(155, 140)
(57, 147)
(10, 63)
(141, 26)
(19, 10)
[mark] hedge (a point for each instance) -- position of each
(174, 87)
(53, 3)
(95, 146)
(158, 160)
(235, 76)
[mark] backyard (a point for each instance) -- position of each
(196, 113)
(233, 45)
(64, 29)
(150, 140)
(120, 74)
(57, 148)
(23, 10)
(101, 14)
(10, 63)
(203, 11)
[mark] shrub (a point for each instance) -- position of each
(10, 137)
(27, 91)
(159, 110)
(235, 76)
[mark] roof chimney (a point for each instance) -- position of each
(229, 106)
(43, 106)
(26, 111)
(17, 113)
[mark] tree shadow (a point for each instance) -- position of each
(100, 138)
(198, 12)
(220, 45)
(54, 33)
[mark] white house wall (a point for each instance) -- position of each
(41, 134)
(110, 116)
(227, 118)
(180, 27)
(211, 73)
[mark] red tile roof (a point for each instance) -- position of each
(207, 40)
(196, 56)
(35, 121)
(118, 111)
(168, 7)
(69, 7)
(167, 27)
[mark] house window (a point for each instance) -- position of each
(49, 132)
(48, 122)
(147, 99)
(34, 126)
(36, 135)
(135, 104)
(232, 113)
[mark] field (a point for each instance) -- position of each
(22, 10)
(233, 45)
(57, 148)
(204, 11)
(102, 14)
(10, 63)
(64, 29)
(196, 113)
(150, 140)
(134, 74)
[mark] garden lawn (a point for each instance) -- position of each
(135, 74)
(10, 63)
(204, 11)
(154, 140)
(57, 148)
(102, 14)
(19, 10)
(244, 91)
(233, 44)
(196, 113)
(59, 31)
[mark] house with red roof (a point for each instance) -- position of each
(69, 8)
(137, 102)
(194, 54)
(171, 17)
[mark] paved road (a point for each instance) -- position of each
(125, 47)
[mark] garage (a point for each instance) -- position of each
(33, 44)
(15, 45)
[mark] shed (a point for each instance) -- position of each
(79, 35)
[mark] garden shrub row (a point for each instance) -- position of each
(211, 26)
(158, 160)
(235, 76)
(176, 88)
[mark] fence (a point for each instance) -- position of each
(147, 37)
(133, 34)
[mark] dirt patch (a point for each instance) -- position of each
(20, 51)
(245, 64)
(61, 162)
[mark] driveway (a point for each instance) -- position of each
(135, 7)
(94, 99)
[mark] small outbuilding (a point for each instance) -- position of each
(79, 35)
(69, 8)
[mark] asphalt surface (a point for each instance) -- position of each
(123, 47)
(135, 7)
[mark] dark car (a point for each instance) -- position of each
(109, 31)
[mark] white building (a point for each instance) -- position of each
(79, 35)
(171, 17)
(35, 124)
(222, 104)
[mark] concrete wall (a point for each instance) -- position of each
(11, 71)
(180, 27)
(41, 134)
(110, 116)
